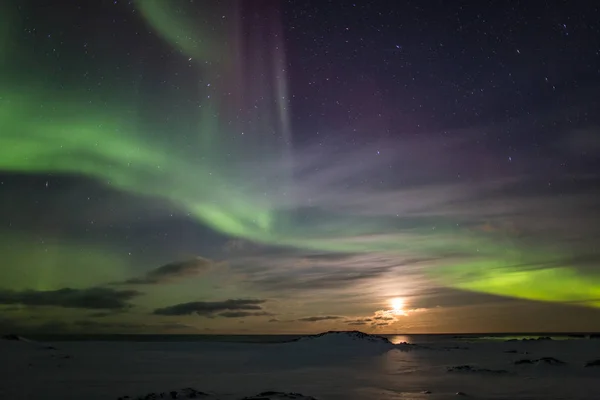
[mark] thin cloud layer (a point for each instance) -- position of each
(173, 272)
(320, 318)
(243, 314)
(302, 272)
(64, 326)
(212, 308)
(98, 298)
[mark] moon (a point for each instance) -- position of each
(397, 305)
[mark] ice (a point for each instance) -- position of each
(332, 366)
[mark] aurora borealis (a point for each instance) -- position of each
(293, 166)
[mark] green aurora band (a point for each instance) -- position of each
(45, 131)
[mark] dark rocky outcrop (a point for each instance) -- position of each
(11, 337)
(524, 361)
(456, 348)
(279, 396)
(186, 393)
(593, 363)
(516, 352)
(190, 393)
(355, 335)
(538, 361)
(472, 369)
(539, 339)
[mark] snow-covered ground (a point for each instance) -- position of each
(332, 366)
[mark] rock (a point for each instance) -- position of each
(538, 339)
(469, 368)
(516, 352)
(456, 348)
(524, 361)
(458, 368)
(593, 363)
(355, 335)
(550, 361)
(192, 393)
(405, 346)
(278, 396)
(11, 337)
(543, 360)
(426, 392)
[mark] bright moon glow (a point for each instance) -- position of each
(397, 305)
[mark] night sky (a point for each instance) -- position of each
(181, 166)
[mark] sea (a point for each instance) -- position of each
(394, 338)
(476, 366)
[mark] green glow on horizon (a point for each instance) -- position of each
(54, 264)
(45, 131)
(500, 277)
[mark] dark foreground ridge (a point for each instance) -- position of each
(190, 393)
(16, 338)
(477, 370)
(538, 339)
(543, 360)
(353, 335)
(279, 396)
(593, 363)
(13, 337)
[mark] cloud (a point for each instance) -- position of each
(433, 297)
(317, 278)
(97, 298)
(320, 318)
(173, 271)
(211, 308)
(53, 326)
(382, 318)
(242, 314)
(238, 245)
(357, 323)
(96, 326)
(378, 319)
(309, 271)
(101, 314)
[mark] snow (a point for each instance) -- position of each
(344, 338)
(331, 366)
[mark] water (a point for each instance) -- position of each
(109, 366)
(413, 338)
